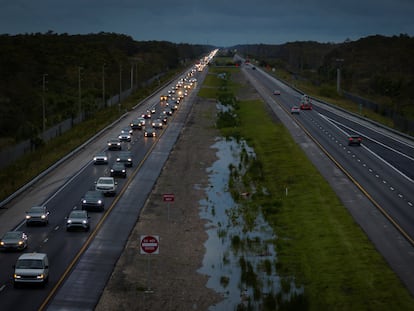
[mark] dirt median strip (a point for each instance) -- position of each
(169, 280)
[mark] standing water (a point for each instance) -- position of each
(241, 263)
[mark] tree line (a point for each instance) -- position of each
(376, 67)
(47, 78)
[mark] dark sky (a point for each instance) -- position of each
(221, 23)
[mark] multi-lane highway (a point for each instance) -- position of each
(381, 170)
(95, 251)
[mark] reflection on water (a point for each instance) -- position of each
(241, 264)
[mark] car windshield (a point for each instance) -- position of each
(77, 214)
(12, 235)
(91, 195)
(29, 264)
(36, 209)
(105, 181)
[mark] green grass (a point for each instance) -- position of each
(329, 94)
(318, 244)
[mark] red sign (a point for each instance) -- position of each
(168, 197)
(149, 244)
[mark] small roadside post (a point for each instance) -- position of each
(168, 197)
(149, 245)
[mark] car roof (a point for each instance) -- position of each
(13, 233)
(78, 212)
(37, 207)
(33, 256)
(105, 178)
(118, 164)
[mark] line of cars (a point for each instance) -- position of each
(34, 267)
(306, 104)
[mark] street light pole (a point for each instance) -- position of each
(43, 102)
(80, 94)
(120, 83)
(103, 86)
(132, 77)
(338, 74)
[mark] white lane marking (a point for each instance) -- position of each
(374, 140)
(373, 153)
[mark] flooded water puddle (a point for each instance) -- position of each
(240, 263)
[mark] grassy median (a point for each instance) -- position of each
(318, 244)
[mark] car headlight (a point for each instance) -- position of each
(112, 170)
(84, 201)
(40, 276)
(20, 242)
(1, 243)
(84, 222)
(69, 221)
(123, 171)
(99, 201)
(43, 216)
(28, 216)
(94, 158)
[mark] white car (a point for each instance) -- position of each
(124, 137)
(31, 268)
(106, 185)
(100, 158)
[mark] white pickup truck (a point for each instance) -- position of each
(106, 185)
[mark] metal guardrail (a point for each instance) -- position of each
(57, 164)
(79, 148)
(406, 136)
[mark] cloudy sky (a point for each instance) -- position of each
(222, 23)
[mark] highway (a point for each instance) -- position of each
(375, 181)
(97, 251)
(378, 176)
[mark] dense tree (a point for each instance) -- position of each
(377, 67)
(52, 66)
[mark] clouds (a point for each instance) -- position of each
(216, 22)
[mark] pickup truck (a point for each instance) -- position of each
(106, 185)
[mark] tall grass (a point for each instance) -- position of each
(318, 244)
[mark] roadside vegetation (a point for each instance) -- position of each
(32, 164)
(319, 245)
(379, 69)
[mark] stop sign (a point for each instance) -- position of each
(149, 244)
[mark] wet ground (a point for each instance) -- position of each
(240, 262)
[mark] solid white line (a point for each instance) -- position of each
(374, 154)
(374, 140)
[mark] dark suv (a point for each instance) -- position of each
(125, 157)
